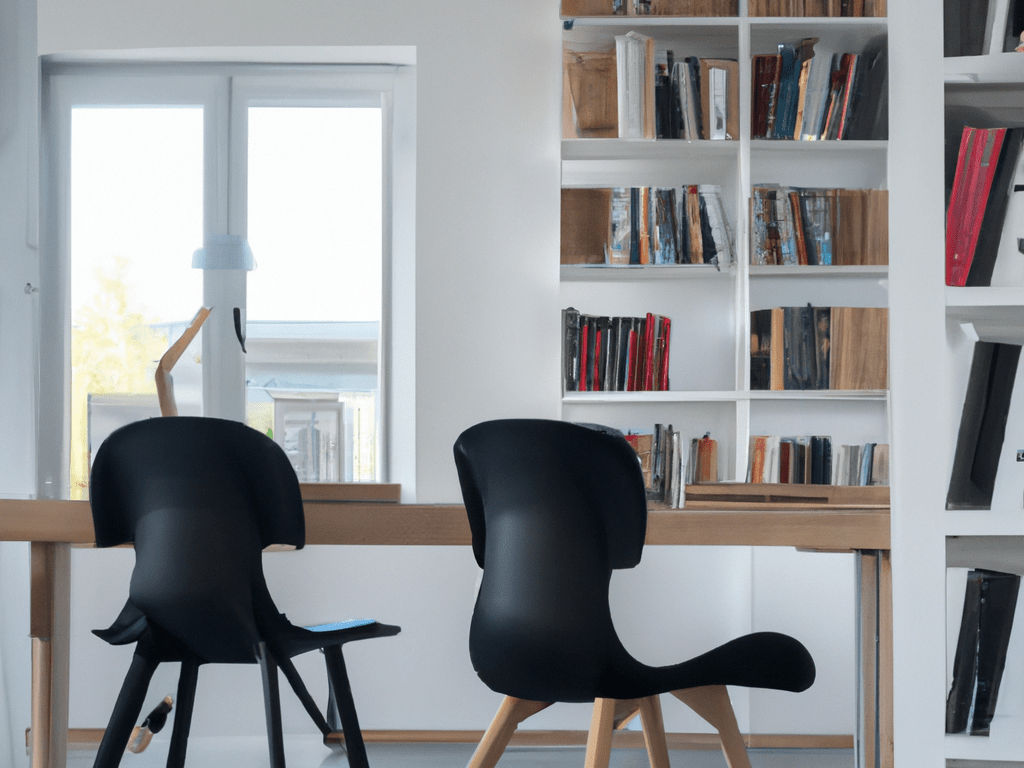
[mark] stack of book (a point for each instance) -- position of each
(987, 165)
(615, 354)
(808, 92)
(819, 227)
(636, 91)
(855, 8)
(801, 348)
(671, 461)
(646, 225)
(814, 460)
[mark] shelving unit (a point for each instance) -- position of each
(987, 91)
(710, 308)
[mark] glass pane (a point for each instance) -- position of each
(136, 217)
(314, 299)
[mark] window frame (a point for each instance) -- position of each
(225, 91)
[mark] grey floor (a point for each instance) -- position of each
(309, 753)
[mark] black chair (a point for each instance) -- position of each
(553, 508)
(200, 498)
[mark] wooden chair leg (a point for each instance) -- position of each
(654, 731)
(510, 714)
(712, 703)
(599, 740)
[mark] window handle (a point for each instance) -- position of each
(238, 329)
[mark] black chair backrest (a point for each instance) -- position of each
(553, 508)
(199, 498)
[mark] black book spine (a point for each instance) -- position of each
(983, 263)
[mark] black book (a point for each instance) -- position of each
(982, 425)
(991, 230)
(822, 318)
(760, 349)
(964, 27)
(989, 605)
(571, 349)
(799, 348)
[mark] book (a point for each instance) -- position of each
(634, 62)
(803, 348)
(990, 602)
(720, 100)
(986, 166)
(615, 354)
(859, 348)
(982, 425)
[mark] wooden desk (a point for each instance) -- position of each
(54, 526)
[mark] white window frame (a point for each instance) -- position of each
(225, 91)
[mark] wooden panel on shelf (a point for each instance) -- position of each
(381, 492)
(860, 348)
(749, 495)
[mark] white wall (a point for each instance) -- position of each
(486, 345)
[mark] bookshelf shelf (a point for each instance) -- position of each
(647, 149)
(725, 396)
(603, 273)
(1003, 745)
(761, 271)
(992, 69)
(984, 523)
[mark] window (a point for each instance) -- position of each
(145, 165)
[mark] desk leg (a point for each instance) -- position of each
(49, 627)
(874, 660)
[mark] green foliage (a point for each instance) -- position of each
(113, 351)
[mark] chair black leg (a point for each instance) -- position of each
(126, 712)
(272, 704)
(292, 675)
(344, 709)
(183, 714)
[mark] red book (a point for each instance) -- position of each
(583, 357)
(648, 369)
(785, 461)
(596, 387)
(666, 334)
(972, 182)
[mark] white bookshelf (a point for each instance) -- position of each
(710, 307)
(988, 91)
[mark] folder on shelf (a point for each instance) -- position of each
(586, 231)
(990, 602)
(982, 425)
(590, 95)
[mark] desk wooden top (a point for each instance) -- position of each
(375, 523)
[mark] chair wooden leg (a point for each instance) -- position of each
(272, 705)
(183, 714)
(510, 714)
(712, 703)
(599, 740)
(654, 731)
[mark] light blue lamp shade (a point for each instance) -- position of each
(224, 252)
